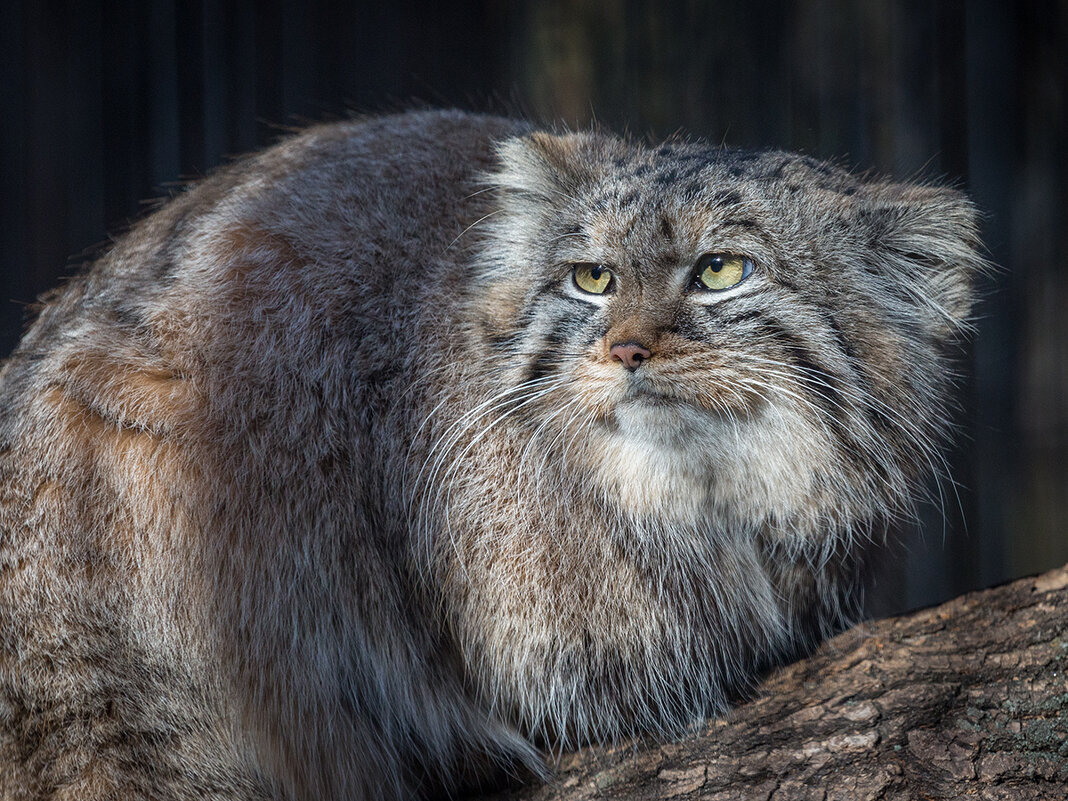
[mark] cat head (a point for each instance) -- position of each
(756, 339)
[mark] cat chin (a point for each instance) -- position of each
(655, 459)
(680, 463)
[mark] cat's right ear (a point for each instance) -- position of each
(541, 165)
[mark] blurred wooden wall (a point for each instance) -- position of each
(107, 104)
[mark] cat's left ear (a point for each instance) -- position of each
(542, 166)
(926, 240)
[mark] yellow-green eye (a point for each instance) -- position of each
(718, 271)
(592, 278)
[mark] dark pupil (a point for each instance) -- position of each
(595, 273)
(715, 265)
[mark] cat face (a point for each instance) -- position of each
(756, 339)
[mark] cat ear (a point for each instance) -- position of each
(541, 165)
(926, 240)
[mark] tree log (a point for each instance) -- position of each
(964, 700)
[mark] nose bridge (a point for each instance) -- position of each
(642, 316)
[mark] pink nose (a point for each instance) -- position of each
(630, 353)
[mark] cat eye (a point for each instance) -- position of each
(592, 278)
(719, 271)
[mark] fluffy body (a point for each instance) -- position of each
(323, 482)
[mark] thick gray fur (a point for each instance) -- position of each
(325, 483)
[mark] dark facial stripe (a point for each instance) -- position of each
(501, 343)
(817, 381)
(798, 353)
(743, 317)
(509, 341)
(740, 223)
(824, 384)
(785, 282)
(667, 177)
(550, 293)
(540, 365)
(718, 314)
(875, 417)
(563, 332)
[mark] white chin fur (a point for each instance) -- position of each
(674, 461)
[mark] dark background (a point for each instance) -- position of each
(107, 104)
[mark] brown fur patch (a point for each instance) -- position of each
(245, 247)
(131, 391)
(141, 467)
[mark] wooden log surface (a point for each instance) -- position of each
(964, 700)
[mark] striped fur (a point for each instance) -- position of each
(323, 482)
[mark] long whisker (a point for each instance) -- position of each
(923, 442)
(532, 398)
(430, 475)
(924, 446)
(427, 476)
(481, 219)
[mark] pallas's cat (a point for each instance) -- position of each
(424, 442)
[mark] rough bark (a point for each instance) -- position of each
(965, 700)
